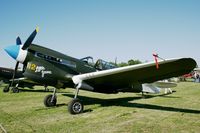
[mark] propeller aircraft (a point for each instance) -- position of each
(6, 75)
(52, 68)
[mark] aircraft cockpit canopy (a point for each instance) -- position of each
(88, 60)
(99, 65)
(104, 65)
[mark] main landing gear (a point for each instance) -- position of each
(51, 99)
(14, 89)
(6, 89)
(75, 106)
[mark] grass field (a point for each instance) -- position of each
(123, 112)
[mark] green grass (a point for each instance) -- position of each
(123, 112)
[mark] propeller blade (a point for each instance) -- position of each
(14, 72)
(24, 67)
(18, 41)
(30, 39)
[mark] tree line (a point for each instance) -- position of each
(128, 63)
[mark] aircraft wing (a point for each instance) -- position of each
(141, 73)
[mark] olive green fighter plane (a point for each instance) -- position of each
(46, 66)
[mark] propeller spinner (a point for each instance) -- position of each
(19, 51)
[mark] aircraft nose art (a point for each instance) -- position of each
(13, 51)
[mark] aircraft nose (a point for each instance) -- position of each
(13, 51)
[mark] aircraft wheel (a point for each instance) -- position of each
(6, 89)
(48, 102)
(75, 106)
(15, 90)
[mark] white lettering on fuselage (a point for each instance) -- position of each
(46, 72)
(41, 69)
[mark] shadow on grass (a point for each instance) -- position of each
(48, 108)
(40, 91)
(124, 102)
(158, 95)
(34, 90)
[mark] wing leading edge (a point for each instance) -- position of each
(141, 73)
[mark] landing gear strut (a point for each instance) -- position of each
(75, 106)
(51, 100)
(46, 88)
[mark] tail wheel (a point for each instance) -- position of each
(49, 102)
(75, 106)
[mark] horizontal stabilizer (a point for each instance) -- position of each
(163, 84)
(150, 88)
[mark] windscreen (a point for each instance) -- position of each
(104, 65)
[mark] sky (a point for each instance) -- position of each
(106, 29)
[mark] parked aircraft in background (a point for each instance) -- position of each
(6, 74)
(47, 66)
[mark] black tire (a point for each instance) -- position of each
(47, 101)
(15, 90)
(6, 89)
(75, 106)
